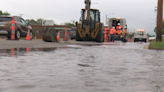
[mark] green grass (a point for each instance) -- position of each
(157, 45)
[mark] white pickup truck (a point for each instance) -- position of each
(140, 35)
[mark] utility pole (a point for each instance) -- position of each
(106, 20)
(159, 21)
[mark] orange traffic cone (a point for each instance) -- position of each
(42, 38)
(27, 49)
(58, 48)
(147, 40)
(12, 52)
(58, 36)
(120, 43)
(41, 49)
(28, 35)
(65, 38)
(13, 29)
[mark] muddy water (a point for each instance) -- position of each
(106, 68)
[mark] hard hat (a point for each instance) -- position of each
(113, 26)
(106, 25)
(118, 23)
(125, 27)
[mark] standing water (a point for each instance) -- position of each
(106, 68)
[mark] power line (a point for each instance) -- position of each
(128, 5)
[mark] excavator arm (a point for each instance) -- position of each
(86, 20)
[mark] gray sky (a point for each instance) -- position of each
(138, 13)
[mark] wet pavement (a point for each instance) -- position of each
(76, 68)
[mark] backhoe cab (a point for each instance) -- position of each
(89, 28)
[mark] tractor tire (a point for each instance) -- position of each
(53, 36)
(99, 37)
(78, 38)
(47, 35)
(44, 34)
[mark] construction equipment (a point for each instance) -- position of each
(49, 34)
(114, 22)
(89, 28)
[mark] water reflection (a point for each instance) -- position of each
(13, 52)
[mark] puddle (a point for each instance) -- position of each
(22, 51)
(126, 68)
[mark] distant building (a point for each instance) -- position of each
(47, 22)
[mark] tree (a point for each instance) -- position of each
(69, 24)
(1, 13)
(32, 21)
(155, 29)
(162, 29)
(39, 21)
(4, 13)
(72, 23)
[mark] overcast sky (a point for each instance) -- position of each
(138, 13)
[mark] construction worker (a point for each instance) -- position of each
(112, 32)
(125, 31)
(118, 26)
(119, 33)
(106, 34)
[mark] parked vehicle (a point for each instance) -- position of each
(140, 35)
(21, 27)
(73, 33)
(153, 38)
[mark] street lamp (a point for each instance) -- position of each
(106, 17)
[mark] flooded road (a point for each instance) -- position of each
(106, 68)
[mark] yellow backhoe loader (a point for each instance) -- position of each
(89, 28)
